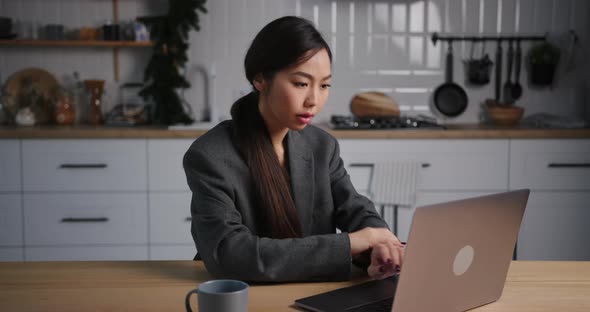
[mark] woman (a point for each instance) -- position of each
(269, 190)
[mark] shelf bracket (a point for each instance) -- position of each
(115, 49)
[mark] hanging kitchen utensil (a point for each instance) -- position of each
(478, 70)
(449, 98)
(498, 71)
(508, 84)
(516, 87)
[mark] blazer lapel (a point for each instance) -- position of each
(302, 178)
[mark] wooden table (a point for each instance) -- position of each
(162, 285)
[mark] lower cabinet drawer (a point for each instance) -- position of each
(84, 165)
(85, 219)
(173, 252)
(447, 165)
(555, 227)
(11, 254)
(92, 253)
(550, 165)
(170, 218)
(165, 164)
(11, 221)
(10, 164)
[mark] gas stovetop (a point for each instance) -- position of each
(389, 122)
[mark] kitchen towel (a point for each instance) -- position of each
(394, 183)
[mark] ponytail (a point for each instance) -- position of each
(278, 216)
(282, 43)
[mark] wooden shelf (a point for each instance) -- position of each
(115, 45)
(76, 43)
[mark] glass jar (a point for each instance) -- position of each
(2, 111)
(95, 89)
(65, 111)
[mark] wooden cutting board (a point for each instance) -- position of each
(45, 84)
(373, 104)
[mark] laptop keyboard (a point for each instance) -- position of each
(379, 306)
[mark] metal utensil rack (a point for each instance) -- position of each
(436, 37)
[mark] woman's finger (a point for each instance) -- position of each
(381, 254)
(393, 255)
(374, 271)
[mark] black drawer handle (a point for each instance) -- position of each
(361, 165)
(569, 165)
(188, 219)
(424, 165)
(83, 220)
(82, 166)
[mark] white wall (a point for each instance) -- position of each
(587, 52)
(378, 45)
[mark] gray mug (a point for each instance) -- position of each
(220, 296)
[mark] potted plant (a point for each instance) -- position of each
(163, 76)
(543, 60)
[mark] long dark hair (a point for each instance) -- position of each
(282, 43)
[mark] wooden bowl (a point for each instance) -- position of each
(502, 115)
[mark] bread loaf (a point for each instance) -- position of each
(373, 104)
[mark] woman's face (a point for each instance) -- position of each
(296, 94)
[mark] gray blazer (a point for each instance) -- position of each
(223, 210)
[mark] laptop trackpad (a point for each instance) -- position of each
(349, 297)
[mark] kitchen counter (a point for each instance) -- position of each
(473, 131)
(162, 285)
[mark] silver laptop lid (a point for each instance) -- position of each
(458, 253)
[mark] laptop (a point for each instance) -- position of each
(456, 258)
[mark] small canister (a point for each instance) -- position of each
(110, 31)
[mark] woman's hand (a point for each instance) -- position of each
(368, 238)
(386, 260)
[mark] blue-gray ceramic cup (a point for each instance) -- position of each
(220, 296)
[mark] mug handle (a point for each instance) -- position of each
(187, 302)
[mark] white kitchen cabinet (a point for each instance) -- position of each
(556, 224)
(476, 165)
(84, 165)
(170, 226)
(11, 254)
(11, 220)
(10, 163)
(85, 199)
(165, 164)
(139, 186)
(170, 218)
(453, 169)
(172, 252)
(86, 253)
(169, 201)
(550, 165)
(85, 219)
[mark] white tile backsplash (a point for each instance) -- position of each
(377, 45)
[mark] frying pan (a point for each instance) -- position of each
(449, 98)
